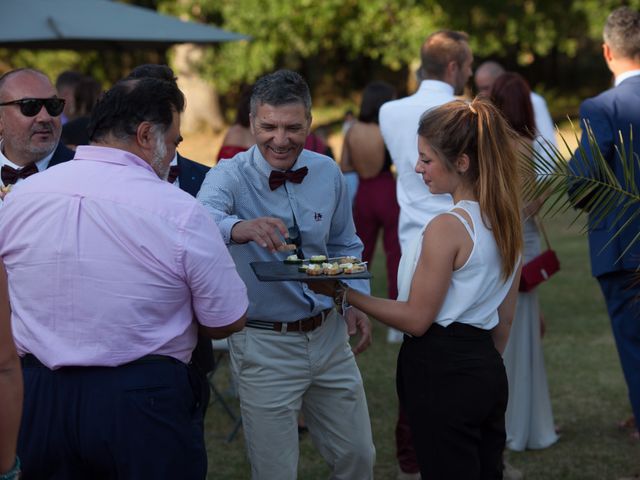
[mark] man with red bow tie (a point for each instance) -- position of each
(295, 354)
(29, 126)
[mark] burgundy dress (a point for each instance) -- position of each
(376, 208)
(229, 151)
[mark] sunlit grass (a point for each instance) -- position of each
(585, 380)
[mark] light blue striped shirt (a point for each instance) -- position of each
(238, 189)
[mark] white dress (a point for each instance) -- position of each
(529, 419)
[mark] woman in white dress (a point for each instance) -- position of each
(457, 294)
(529, 418)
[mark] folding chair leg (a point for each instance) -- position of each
(234, 432)
(217, 396)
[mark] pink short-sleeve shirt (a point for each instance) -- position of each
(108, 263)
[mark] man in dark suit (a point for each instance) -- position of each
(613, 114)
(29, 125)
(187, 174)
(190, 175)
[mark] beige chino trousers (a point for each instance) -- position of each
(280, 374)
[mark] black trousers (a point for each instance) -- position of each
(137, 421)
(453, 386)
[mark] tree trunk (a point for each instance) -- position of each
(202, 110)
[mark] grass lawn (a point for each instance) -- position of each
(587, 388)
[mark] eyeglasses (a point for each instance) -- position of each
(30, 107)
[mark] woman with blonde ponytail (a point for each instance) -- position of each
(457, 294)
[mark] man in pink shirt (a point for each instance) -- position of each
(108, 264)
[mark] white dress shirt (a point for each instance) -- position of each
(41, 164)
(623, 76)
(399, 126)
(542, 117)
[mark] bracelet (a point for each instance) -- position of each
(340, 297)
(14, 473)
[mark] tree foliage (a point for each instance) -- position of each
(296, 33)
(341, 44)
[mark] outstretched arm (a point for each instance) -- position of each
(429, 285)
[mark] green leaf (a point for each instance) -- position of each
(593, 181)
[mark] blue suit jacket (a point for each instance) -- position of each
(610, 114)
(60, 155)
(191, 175)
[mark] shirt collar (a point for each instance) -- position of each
(110, 155)
(623, 76)
(41, 164)
(435, 85)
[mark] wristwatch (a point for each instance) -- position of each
(340, 297)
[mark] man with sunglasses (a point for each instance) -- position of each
(30, 126)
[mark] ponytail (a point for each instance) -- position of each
(478, 130)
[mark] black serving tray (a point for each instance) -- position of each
(288, 272)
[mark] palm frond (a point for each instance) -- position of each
(590, 182)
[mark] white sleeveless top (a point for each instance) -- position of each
(477, 288)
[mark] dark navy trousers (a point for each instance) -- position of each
(136, 421)
(622, 294)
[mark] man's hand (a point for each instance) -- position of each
(268, 232)
(324, 287)
(358, 321)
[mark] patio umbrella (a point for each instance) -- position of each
(97, 25)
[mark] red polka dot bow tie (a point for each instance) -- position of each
(277, 178)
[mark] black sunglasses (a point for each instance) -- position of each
(30, 107)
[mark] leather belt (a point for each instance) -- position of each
(303, 325)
